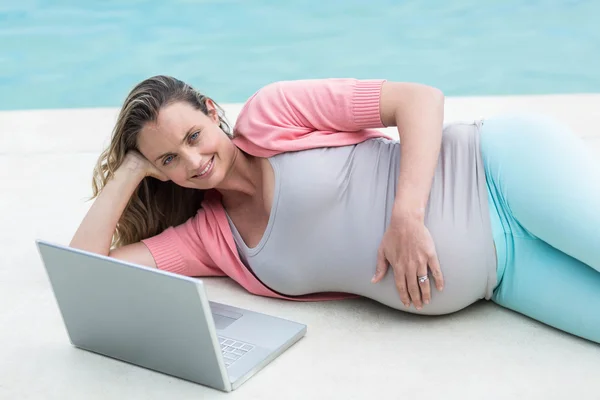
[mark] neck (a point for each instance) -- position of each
(243, 180)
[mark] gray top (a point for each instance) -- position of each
(331, 207)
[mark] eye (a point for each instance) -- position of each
(167, 160)
(194, 136)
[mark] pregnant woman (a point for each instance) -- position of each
(304, 199)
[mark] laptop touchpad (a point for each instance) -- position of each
(221, 321)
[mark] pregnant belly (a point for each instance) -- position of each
(349, 267)
(465, 278)
(464, 261)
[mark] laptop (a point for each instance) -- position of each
(160, 320)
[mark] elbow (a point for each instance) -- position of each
(402, 99)
(440, 94)
(435, 94)
(439, 99)
(421, 99)
(416, 93)
(430, 98)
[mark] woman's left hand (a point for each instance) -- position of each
(409, 248)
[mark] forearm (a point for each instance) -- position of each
(98, 226)
(418, 113)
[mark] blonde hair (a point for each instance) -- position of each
(155, 205)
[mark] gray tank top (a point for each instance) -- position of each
(331, 207)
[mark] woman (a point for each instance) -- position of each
(305, 200)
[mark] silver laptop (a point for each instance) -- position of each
(160, 320)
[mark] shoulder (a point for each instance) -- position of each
(283, 87)
(301, 114)
(280, 93)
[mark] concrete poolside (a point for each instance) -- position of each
(353, 349)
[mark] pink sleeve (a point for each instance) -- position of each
(181, 250)
(288, 110)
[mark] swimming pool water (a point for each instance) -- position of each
(69, 53)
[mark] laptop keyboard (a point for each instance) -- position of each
(233, 350)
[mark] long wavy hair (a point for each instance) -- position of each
(155, 205)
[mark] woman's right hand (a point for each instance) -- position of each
(134, 161)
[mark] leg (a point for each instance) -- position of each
(544, 190)
(549, 286)
(548, 182)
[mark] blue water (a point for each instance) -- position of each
(76, 53)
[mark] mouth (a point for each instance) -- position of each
(206, 169)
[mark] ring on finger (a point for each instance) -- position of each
(423, 279)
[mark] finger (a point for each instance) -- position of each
(402, 290)
(382, 267)
(436, 272)
(424, 283)
(413, 288)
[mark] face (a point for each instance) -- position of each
(188, 146)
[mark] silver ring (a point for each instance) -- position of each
(423, 279)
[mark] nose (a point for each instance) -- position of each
(192, 161)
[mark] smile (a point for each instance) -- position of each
(206, 169)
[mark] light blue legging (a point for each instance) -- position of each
(544, 191)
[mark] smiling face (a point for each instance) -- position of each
(188, 146)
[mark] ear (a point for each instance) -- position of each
(212, 111)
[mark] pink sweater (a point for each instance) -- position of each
(280, 117)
